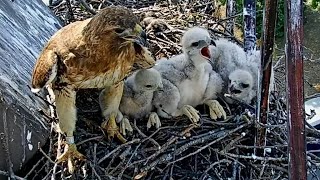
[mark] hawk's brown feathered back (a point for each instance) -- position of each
(87, 49)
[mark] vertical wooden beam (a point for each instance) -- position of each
(249, 13)
(295, 93)
(230, 13)
(269, 26)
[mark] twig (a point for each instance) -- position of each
(256, 157)
(209, 144)
(95, 172)
(145, 136)
(85, 5)
(33, 168)
(214, 164)
(70, 11)
(90, 139)
(173, 139)
(117, 149)
(11, 176)
(45, 155)
(129, 160)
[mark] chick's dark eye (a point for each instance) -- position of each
(148, 86)
(244, 85)
(195, 44)
(119, 30)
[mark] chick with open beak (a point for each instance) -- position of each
(197, 47)
(240, 85)
(187, 80)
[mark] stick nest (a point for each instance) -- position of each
(178, 150)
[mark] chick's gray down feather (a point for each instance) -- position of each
(227, 57)
(188, 78)
(231, 62)
(138, 93)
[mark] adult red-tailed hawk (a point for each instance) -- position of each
(95, 53)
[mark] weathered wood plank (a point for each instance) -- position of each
(269, 25)
(295, 94)
(25, 26)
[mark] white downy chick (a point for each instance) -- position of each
(186, 77)
(240, 85)
(137, 97)
(230, 60)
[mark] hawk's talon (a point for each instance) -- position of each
(191, 112)
(112, 129)
(216, 110)
(153, 120)
(70, 154)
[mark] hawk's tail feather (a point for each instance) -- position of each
(35, 90)
(45, 71)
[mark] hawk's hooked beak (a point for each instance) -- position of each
(141, 36)
(142, 39)
(137, 36)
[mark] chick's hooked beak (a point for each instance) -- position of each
(204, 51)
(210, 60)
(233, 90)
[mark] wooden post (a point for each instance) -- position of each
(269, 25)
(230, 13)
(249, 13)
(295, 94)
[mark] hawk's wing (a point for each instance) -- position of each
(59, 46)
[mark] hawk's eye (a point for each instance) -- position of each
(195, 44)
(148, 86)
(244, 85)
(119, 30)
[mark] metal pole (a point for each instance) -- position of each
(230, 12)
(249, 13)
(295, 94)
(269, 24)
